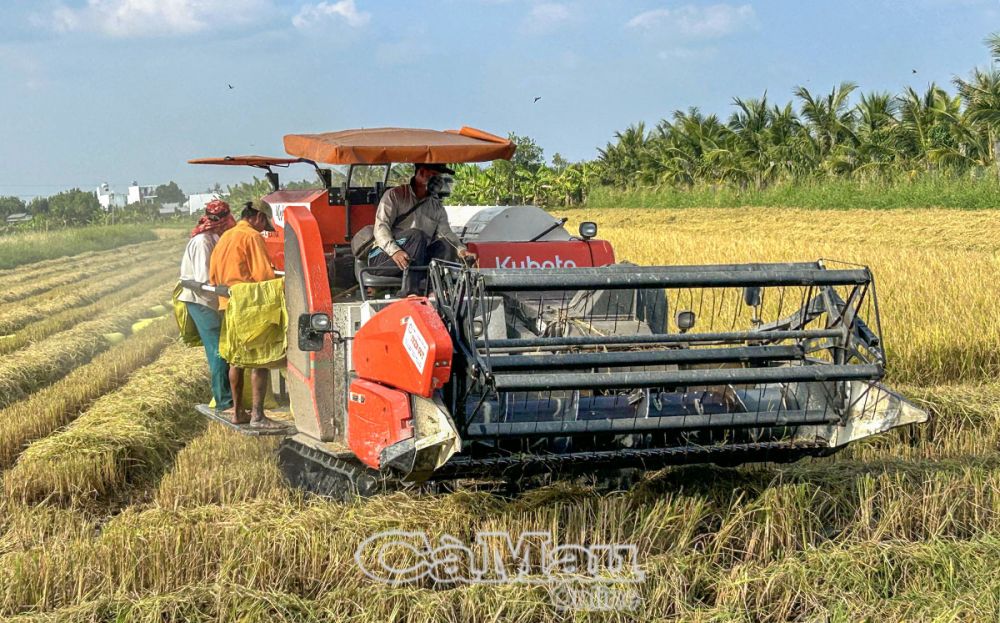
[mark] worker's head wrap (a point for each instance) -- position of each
(216, 220)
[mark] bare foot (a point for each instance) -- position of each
(266, 423)
(242, 418)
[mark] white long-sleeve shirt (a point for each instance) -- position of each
(429, 218)
(194, 265)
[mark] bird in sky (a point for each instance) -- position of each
(229, 85)
(537, 98)
(914, 71)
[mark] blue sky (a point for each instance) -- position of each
(116, 90)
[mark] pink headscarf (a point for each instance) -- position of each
(217, 219)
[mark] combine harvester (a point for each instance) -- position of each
(548, 356)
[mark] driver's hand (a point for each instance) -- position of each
(467, 255)
(401, 259)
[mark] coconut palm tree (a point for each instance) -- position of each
(981, 95)
(830, 119)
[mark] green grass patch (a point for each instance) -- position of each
(19, 249)
(833, 194)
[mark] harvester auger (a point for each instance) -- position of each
(548, 356)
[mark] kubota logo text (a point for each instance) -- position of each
(529, 262)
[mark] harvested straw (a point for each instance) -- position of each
(18, 315)
(125, 436)
(25, 282)
(47, 268)
(223, 467)
(160, 281)
(58, 404)
(34, 367)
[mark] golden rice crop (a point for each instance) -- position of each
(965, 421)
(694, 545)
(900, 527)
(124, 436)
(31, 368)
(54, 406)
(934, 270)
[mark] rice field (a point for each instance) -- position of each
(121, 505)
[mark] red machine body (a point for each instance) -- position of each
(403, 350)
(405, 346)
(330, 219)
(377, 417)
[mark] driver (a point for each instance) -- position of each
(411, 227)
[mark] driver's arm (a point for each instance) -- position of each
(385, 215)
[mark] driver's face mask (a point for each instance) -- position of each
(440, 185)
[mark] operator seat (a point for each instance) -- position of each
(373, 279)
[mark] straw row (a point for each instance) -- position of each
(41, 329)
(221, 466)
(689, 543)
(84, 292)
(125, 437)
(57, 404)
(22, 285)
(58, 265)
(34, 367)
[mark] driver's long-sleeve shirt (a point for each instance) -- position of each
(429, 218)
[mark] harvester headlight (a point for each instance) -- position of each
(685, 320)
(588, 229)
(320, 322)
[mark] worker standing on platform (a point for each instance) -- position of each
(241, 257)
(202, 306)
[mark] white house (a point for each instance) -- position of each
(109, 199)
(197, 202)
(139, 194)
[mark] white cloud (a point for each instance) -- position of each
(312, 15)
(695, 22)
(546, 17)
(140, 18)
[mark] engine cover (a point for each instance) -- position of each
(405, 346)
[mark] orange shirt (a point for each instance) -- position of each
(240, 256)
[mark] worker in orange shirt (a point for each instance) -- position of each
(241, 256)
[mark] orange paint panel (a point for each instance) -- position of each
(377, 417)
(405, 346)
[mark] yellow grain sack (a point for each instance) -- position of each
(254, 325)
(185, 324)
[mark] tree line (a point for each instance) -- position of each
(80, 207)
(875, 137)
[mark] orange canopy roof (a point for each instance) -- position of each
(251, 161)
(389, 145)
